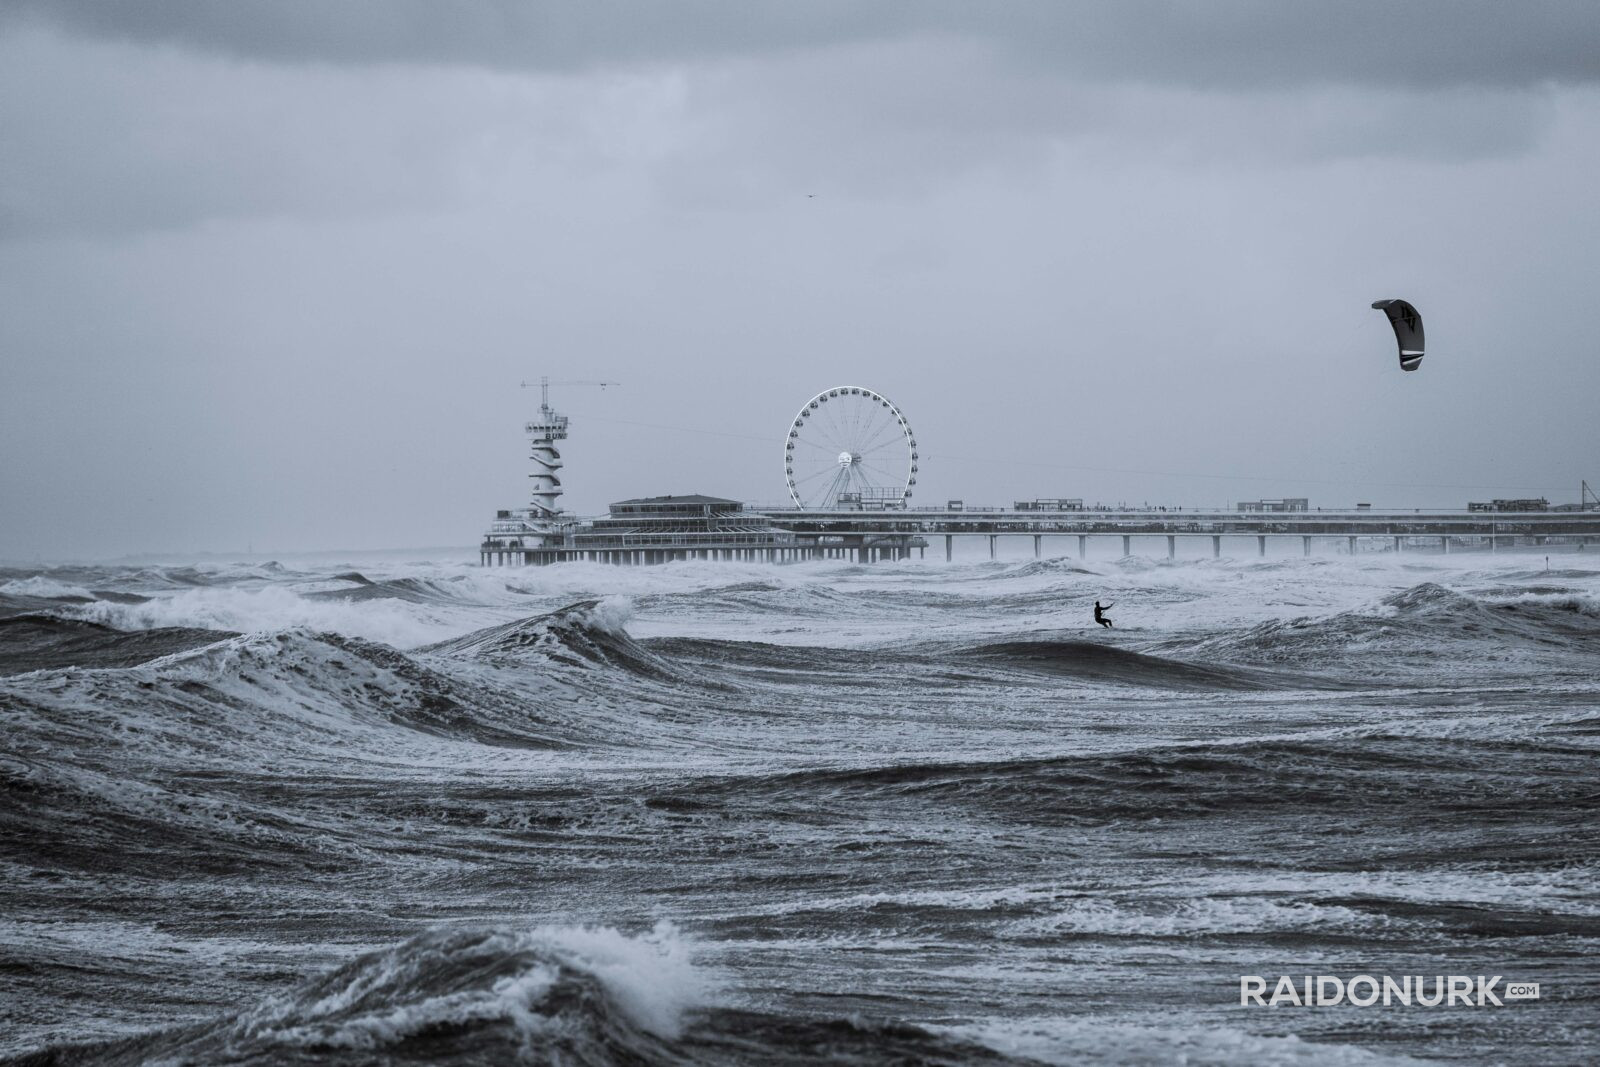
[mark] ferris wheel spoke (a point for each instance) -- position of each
(859, 418)
(814, 475)
(824, 445)
(845, 415)
(893, 444)
(816, 445)
(866, 424)
(880, 480)
(837, 420)
(841, 482)
(846, 438)
(860, 434)
(880, 471)
(883, 437)
(827, 433)
(858, 482)
(864, 484)
(830, 413)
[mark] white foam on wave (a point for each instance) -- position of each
(1096, 1039)
(612, 615)
(651, 980)
(273, 608)
(1184, 917)
(1576, 603)
(652, 977)
(40, 586)
(1568, 891)
(973, 899)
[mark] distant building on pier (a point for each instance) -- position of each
(1051, 504)
(692, 522)
(1288, 503)
(1525, 504)
(654, 529)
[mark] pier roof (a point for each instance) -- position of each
(692, 498)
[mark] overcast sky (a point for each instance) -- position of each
(270, 273)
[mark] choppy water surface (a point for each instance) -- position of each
(714, 813)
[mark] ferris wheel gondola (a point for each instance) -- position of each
(850, 447)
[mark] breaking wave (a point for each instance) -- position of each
(44, 642)
(578, 996)
(1348, 771)
(589, 634)
(274, 608)
(1415, 626)
(1089, 661)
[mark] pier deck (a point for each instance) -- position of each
(894, 534)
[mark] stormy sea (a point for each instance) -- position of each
(407, 812)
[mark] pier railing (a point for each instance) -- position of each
(1362, 522)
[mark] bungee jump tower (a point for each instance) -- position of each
(544, 432)
(538, 532)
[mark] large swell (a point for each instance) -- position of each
(914, 813)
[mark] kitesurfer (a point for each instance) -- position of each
(1100, 613)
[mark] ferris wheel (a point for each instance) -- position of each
(850, 447)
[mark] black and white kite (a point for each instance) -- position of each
(1407, 325)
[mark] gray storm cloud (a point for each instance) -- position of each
(273, 271)
(1249, 44)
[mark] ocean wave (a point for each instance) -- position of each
(1096, 1040)
(1189, 916)
(1035, 568)
(47, 642)
(274, 608)
(588, 634)
(108, 822)
(295, 695)
(794, 664)
(1091, 661)
(791, 599)
(45, 588)
(1340, 771)
(576, 996)
(1416, 625)
(411, 590)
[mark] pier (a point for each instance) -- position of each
(1349, 529)
(795, 535)
(838, 512)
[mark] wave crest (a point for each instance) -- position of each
(549, 995)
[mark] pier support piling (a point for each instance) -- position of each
(1305, 546)
(1261, 545)
(1037, 546)
(1172, 546)
(1127, 545)
(948, 547)
(1083, 546)
(1216, 546)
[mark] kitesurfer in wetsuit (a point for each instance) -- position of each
(1100, 614)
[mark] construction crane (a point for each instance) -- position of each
(544, 384)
